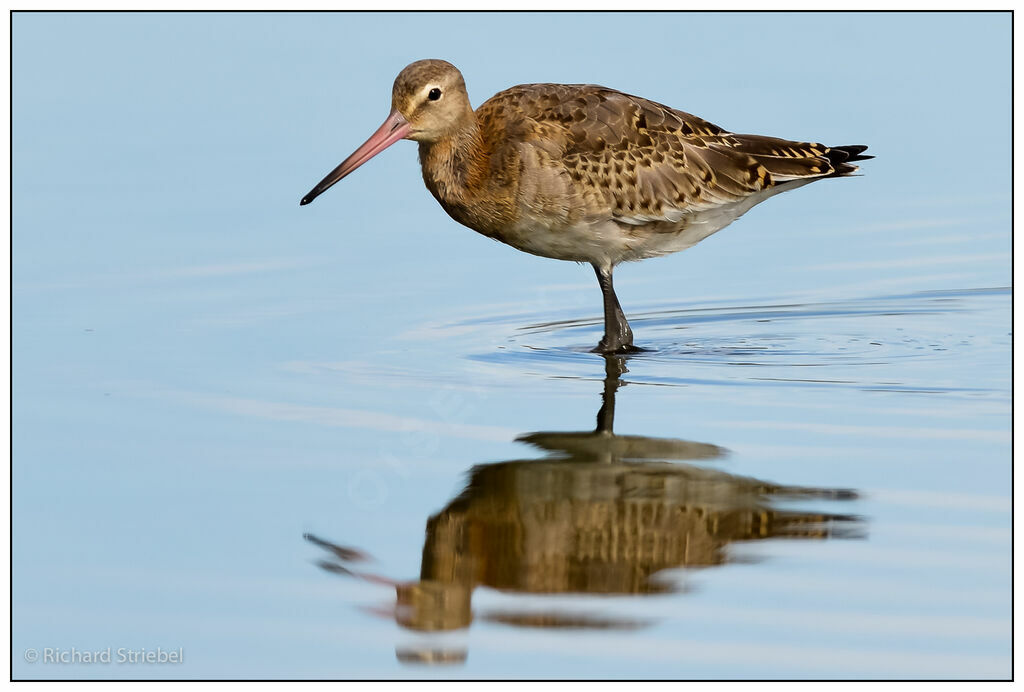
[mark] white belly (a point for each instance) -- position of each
(609, 241)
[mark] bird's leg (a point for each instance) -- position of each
(618, 337)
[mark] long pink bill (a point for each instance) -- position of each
(396, 127)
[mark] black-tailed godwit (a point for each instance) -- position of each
(583, 173)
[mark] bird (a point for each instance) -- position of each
(584, 173)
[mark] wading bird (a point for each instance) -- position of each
(583, 173)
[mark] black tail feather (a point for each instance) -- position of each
(852, 152)
(842, 157)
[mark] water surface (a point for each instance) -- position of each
(354, 440)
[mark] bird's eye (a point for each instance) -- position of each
(434, 94)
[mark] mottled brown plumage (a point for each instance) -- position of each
(584, 173)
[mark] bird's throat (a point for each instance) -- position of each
(455, 167)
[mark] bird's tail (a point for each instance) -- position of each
(787, 161)
(842, 159)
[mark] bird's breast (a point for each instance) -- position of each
(488, 215)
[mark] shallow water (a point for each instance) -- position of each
(770, 490)
(354, 440)
(822, 526)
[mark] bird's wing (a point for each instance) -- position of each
(640, 162)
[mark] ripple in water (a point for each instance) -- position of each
(894, 342)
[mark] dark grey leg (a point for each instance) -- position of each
(618, 337)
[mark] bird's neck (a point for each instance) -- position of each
(460, 173)
(455, 167)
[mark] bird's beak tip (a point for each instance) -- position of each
(396, 127)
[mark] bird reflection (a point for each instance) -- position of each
(601, 514)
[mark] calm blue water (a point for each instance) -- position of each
(358, 440)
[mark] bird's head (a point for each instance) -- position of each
(431, 96)
(428, 103)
